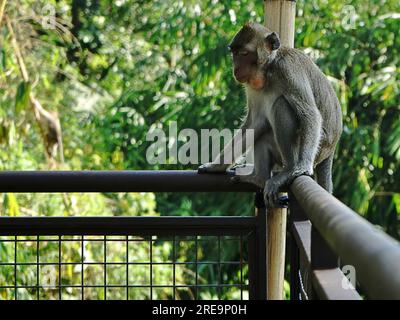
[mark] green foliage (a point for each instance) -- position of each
(116, 70)
(359, 48)
(22, 96)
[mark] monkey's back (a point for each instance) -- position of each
(323, 92)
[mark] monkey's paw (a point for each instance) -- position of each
(244, 169)
(271, 192)
(212, 168)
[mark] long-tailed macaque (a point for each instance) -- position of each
(292, 108)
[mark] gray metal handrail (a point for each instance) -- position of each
(120, 181)
(374, 255)
(249, 230)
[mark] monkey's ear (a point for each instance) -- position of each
(273, 41)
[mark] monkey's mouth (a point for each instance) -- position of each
(241, 79)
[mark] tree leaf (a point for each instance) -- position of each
(11, 203)
(22, 96)
(3, 59)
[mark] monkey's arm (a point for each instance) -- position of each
(229, 154)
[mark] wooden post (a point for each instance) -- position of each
(279, 17)
(276, 230)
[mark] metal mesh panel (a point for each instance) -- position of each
(124, 267)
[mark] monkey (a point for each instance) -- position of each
(292, 109)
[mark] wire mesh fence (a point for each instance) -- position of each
(130, 257)
(160, 264)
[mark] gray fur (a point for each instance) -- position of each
(297, 121)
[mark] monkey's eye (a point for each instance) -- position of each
(243, 52)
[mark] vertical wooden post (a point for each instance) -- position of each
(279, 17)
(276, 230)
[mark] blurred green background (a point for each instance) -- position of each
(111, 71)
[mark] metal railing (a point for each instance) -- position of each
(325, 235)
(60, 234)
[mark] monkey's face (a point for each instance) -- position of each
(251, 48)
(244, 64)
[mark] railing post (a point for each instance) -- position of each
(276, 234)
(322, 256)
(262, 239)
(296, 214)
(279, 17)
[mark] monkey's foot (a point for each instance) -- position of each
(212, 168)
(275, 184)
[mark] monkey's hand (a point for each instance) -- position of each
(212, 167)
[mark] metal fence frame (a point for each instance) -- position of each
(322, 229)
(245, 228)
(253, 228)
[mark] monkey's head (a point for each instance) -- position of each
(252, 48)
